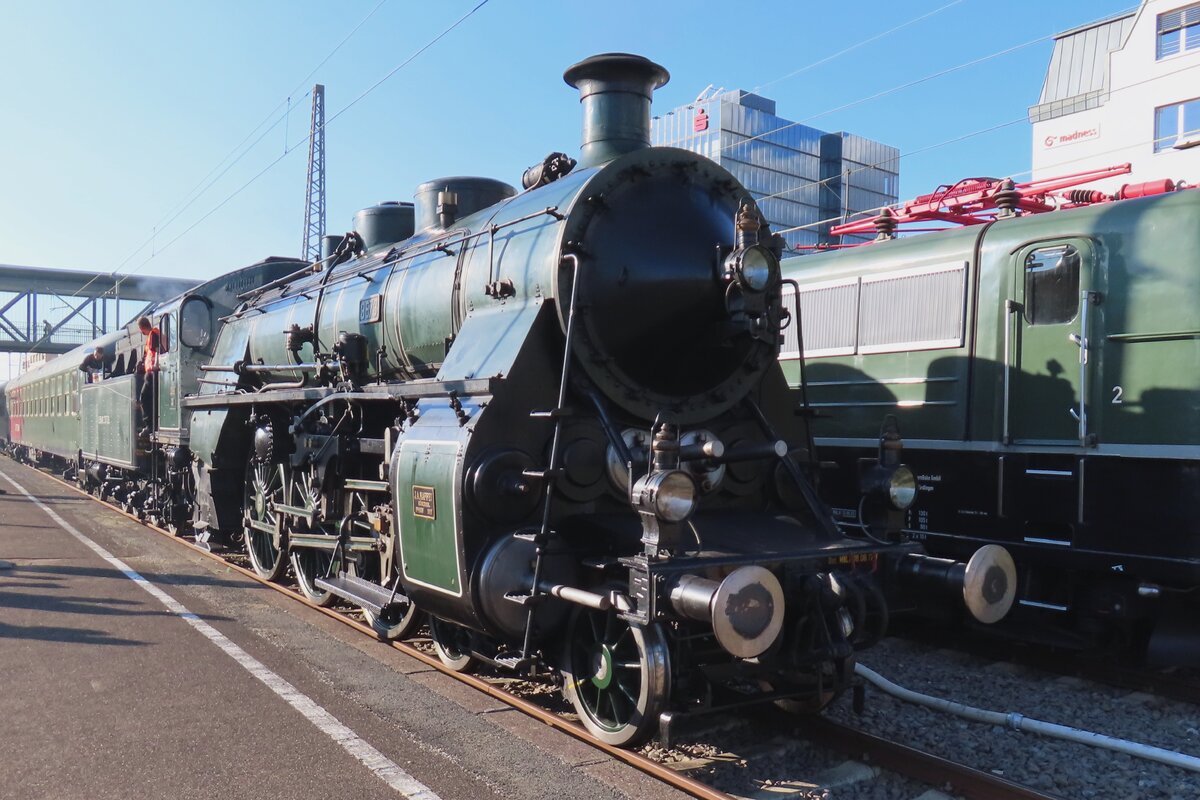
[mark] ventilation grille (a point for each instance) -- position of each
(916, 309)
(830, 314)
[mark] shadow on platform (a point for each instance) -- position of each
(48, 633)
(58, 498)
(45, 571)
(102, 606)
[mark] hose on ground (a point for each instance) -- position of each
(1020, 722)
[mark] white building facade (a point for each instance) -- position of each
(1123, 89)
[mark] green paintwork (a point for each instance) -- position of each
(44, 406)
(1144, 334)
(489, 342)
(107, 409)
(169, 411)
(45, 403)
(425, 485)
(1045, 361)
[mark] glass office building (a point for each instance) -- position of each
(803, 179)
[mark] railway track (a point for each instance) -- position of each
(1180, 685)
(865, 751)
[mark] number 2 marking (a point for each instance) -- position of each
(1117, 393)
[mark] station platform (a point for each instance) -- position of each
(226, 689)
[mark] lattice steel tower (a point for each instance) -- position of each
(314, 200)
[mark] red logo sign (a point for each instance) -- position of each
(1070, 138)
(700, 121)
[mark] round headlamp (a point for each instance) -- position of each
(670, 495)
(754, 267)
(902, 488)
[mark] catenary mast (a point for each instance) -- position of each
(314, 197)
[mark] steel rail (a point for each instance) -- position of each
(916, 764)
(652, 768)
(895, 757)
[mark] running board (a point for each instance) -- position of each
(371, 596)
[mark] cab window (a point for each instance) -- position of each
(1052, 285)
(195, 323)
(166, 334)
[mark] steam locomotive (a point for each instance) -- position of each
(552, 421)
(1043, 369)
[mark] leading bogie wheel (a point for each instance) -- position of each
(452, 643)
(266, 485)
(616, 675)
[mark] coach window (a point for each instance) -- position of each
(1052, 285)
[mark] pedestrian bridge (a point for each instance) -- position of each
(52, 311)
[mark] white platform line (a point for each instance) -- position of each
(382, 766)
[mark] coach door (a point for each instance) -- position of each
(1050, 317)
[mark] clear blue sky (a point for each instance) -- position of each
(113, 112)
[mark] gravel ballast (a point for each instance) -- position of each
(1065, 768)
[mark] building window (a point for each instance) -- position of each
(1178, 31)
(1175, 123)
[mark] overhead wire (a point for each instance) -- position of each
(476, 8)
(306, 139)
(898, 88)
(1022, 173)
(289, 150)
(205, 183)
(856, 46)
(955, 140)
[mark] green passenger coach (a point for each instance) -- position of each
(1045, 372)
(94, 423)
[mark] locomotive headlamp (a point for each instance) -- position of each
(902, 488)
(670, 495)
(897, 486)
(755, 267)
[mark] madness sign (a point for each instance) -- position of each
(1071, 137)
(424, 502)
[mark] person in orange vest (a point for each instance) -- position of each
(148, 366)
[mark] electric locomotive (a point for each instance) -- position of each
(1043, 367)
(555, 422)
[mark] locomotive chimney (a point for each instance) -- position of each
(615, 90)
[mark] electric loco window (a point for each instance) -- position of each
(1051, 285)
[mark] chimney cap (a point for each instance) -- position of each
(623, 67)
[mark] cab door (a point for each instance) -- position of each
(1050, 342)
